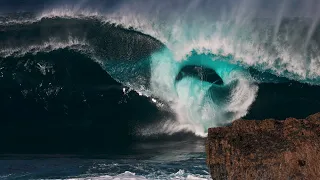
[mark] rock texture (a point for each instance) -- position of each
(267, 149)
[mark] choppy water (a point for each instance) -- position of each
(169, 160)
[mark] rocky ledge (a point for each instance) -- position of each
(267, 149)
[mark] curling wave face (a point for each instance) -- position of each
(198, 102)
(164, 58)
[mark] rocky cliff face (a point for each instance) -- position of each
(268, 149)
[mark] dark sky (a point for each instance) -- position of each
(32, 5)
(309, 8)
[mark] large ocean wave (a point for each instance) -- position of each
(203, 69)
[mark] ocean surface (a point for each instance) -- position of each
(127, 89)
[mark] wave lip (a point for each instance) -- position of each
(48, 46)
(246, 42)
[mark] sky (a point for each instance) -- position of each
(267, 8)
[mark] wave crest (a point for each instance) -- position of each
(146, 53)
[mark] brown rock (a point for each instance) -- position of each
(268, 149)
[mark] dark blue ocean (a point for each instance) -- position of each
(127, 89)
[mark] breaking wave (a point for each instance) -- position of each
(197, 67)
